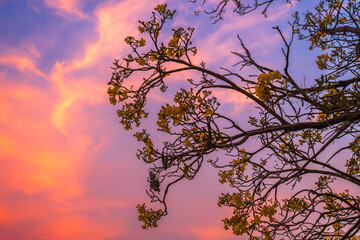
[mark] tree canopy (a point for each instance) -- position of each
(302, 131)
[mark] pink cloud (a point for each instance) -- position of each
(21, 63)
(115, 22)
(236, 100)
(211, 232)
(80, 226)
(67, 7)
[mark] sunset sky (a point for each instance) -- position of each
(68, 169)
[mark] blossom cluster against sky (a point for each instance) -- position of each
(68, 170)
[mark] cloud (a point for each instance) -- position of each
(21, 63)
(83, 226)
(67, 7)
(115, 22)
(40, 166)
(236, 100)
(31, 148)
(71, 89)
(211, 232)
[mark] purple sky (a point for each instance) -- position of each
(68, 170)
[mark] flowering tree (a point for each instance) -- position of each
(301, 132)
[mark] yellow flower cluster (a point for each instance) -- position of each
(225, 176)
(114, 92)
(269, 211)
(153, 56)
(331, 204)
(168, 113)
(131, 113)
(238, 223)
(187, 143)
(239, 164)
(174, 41)
(161, 8)
(208, 112)
(328, 19)
(188, 104)
(147, 153)
(148, 217)
(353, 166)
(295, 204)
(197, 135)
(237, 200)
(323, 181)
(175, 48)
(241, 223)
(262, 90)
(310, 136)
(322, 60)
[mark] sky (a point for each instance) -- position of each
(68, 169)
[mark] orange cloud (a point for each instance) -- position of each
(211, 232)
(36, 156)
(80, 226)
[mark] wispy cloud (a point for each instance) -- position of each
(67, 8)
(21, 63)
